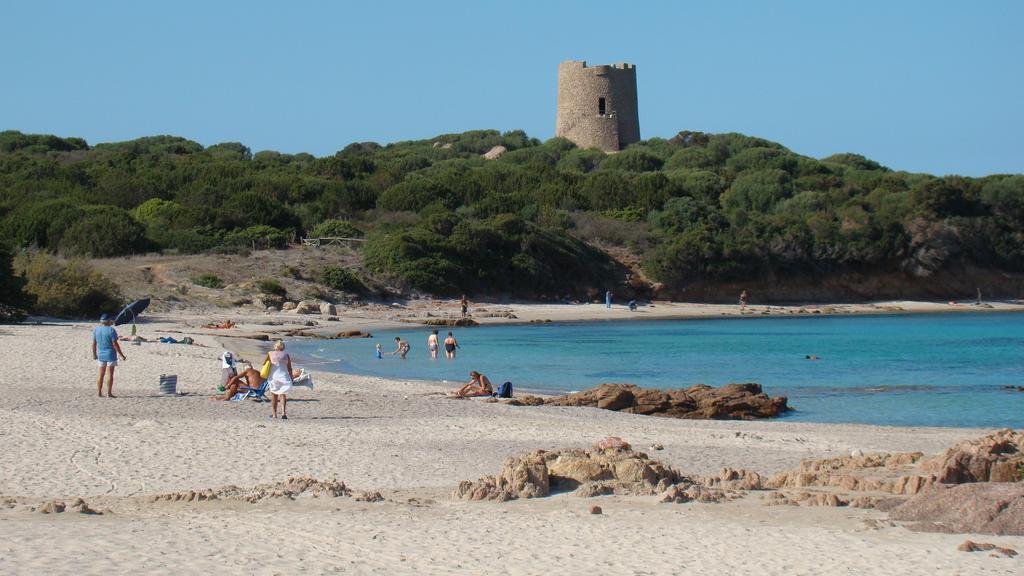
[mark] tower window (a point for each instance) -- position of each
(600, 106)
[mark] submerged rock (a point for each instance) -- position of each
(730, 402)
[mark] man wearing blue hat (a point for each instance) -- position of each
(105, 351)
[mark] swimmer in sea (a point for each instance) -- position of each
(380, 352)
(432, 344)
(811, 357)
(401, 348)
(450, 344)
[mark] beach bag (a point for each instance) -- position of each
(169, 384)
(265, 371)
(505, 390)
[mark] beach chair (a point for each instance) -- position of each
(257, 394)
(304, 379)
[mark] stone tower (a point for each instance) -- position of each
(597, 105)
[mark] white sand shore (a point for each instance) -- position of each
(414, 446)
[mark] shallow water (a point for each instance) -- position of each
(910, 370)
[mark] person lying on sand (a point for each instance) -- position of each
(478, 385)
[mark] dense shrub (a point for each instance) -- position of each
(14, 141)
(260, 236)
(692, 207)
(208, 281)
(70, 289)
(40, 224)
(103, 231)
(449, 255)
(632, 160)
(271, 287)
(336, 229)
(339, 278)
(12, 299)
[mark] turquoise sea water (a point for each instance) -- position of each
(911, 370)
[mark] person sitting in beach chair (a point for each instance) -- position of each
(248, 384)
(478, 385)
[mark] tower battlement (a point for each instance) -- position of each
(597, 105)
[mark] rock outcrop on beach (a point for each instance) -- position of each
(700, 402)
(888, 473)
(995, 457)
(976, 508)
(601, 472)
(969, 546)
(583, 472)
(975, 486)
(290, 489)
(520, 477)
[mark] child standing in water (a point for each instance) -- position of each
(380, 352)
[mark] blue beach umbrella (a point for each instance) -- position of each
(130, 312)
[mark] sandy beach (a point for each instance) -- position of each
(413, 445)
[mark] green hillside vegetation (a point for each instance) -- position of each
(437, 217)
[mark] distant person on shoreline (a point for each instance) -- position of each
(608, 299)
(465, 305)
(743, 300)
(478, 385)
(450, 344)
(432, 344)
(632, 305)
(401, 348)
(105, 351)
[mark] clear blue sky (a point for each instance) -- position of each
(929, 86)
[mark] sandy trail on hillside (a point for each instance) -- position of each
(412, 444)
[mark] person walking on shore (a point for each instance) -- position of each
(608, 299)
(465, 305)
(105, 351)
(743, 300)
(432, 345)
(450, 344)
(280, 379)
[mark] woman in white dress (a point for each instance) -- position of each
(280, 380)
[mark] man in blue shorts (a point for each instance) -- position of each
(105, 351)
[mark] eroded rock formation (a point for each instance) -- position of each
(977, 508)
(290, 488)
(583, 472)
